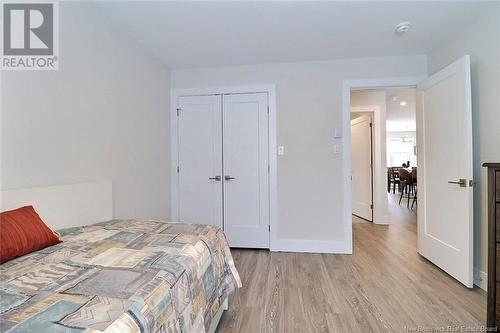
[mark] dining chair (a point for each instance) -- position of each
(414, 199)
(406, 180)
(395, 180)
(414, 179)
(389, 179)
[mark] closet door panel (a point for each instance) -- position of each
(200, 159)
(245, 165)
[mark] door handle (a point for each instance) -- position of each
(461, 182)
(217, 178)
(229, 178)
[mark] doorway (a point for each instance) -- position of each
(444, 150)
(362, 165)
(395, 154)
(368, 157)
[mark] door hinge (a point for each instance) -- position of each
(178, 169)
(178, 111)
(371, 206)
(269, 228)
(370, 125)
(268, 109)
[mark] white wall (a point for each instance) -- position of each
(369, 97)
(401, 117)
(309, 106)
(356, 115)
(481, 41)
(102, 115)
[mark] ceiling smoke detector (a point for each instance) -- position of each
(403, 27)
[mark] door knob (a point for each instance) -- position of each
(461, 182)
(217, 178)
(228, 178)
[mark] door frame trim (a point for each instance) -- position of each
(270, 89)
(347, 86)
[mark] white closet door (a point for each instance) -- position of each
(200, 159)
(246, 175)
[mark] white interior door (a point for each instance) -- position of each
(200, 159)
(246, 174)
(444, 134)
(361, 149)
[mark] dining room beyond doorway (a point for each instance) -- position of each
(401, 146)
(384, 153)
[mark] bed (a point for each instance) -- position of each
(120, 276)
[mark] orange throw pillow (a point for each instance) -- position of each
(22, 231)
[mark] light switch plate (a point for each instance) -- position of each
(337, 133)
(281, 150)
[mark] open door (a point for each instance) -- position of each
(361, 167)
(444, 137)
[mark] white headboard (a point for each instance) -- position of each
(65, 205)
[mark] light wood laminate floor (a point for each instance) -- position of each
(384, 286)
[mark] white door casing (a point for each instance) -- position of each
(361, 143)
(444, 138)
(246, 169)
(199, 151)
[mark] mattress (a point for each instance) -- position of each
(120, 276)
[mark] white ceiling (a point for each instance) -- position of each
(198, 34)
(400, 118)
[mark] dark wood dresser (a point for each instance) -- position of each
(493, 312)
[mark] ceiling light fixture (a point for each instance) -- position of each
(403, 103)
(395, 98)
(403, 27)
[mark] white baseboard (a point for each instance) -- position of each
(310, 246)
(480, 279)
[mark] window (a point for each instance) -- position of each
(401, 148)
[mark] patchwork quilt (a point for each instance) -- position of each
(122, 276)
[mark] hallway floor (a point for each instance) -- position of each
(385, 286)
